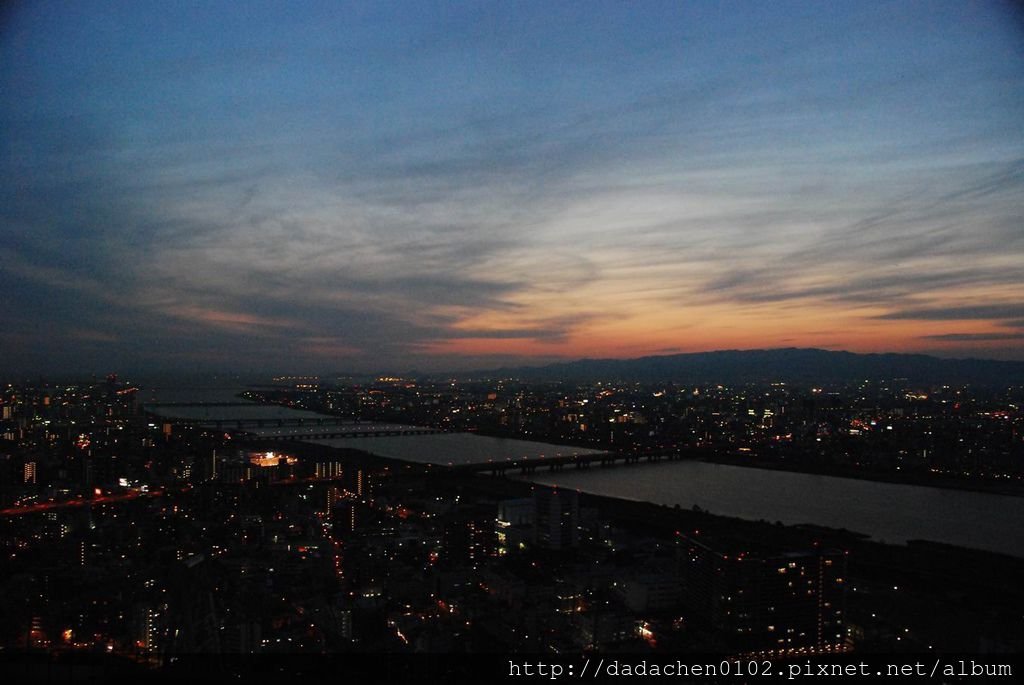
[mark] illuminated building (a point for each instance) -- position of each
(467, 537)
(514, 525)
(344, 516)
(246, 466)
(271, 459)
(333, 493)
(146, 629)
(328, 469)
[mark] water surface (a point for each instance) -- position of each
(887, 512)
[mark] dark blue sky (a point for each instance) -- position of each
(285, 186)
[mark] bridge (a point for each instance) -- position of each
(327, 432)
(528, 465)
(253, 423)
(160, 405)
(285, 428)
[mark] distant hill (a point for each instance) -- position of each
(787, 364)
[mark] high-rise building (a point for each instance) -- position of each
(556, 518)
(242, 638)
(513, 526)
(145, 627)
(344, 516)
(328, 469)
(468, 536)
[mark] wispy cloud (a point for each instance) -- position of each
(959, 313)
(501, 184)
(974, 337)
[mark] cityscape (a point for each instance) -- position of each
(315, 515)
(478, 342)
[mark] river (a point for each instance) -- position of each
(888, 512)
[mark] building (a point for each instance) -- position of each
(650, 592)
(556, 518)
(513, 526)
(781, 603)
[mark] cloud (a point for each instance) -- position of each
(201, 184)
(974, 337)
(236, 321)
(964, 312)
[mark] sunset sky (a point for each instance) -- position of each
(372, 186)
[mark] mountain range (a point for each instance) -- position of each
(785, 365)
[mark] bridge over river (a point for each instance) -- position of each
(528, 465)
(274, 423)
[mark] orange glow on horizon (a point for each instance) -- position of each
(638, 337)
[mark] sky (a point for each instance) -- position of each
(307, 186)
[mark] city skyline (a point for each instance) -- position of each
(336, 186)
